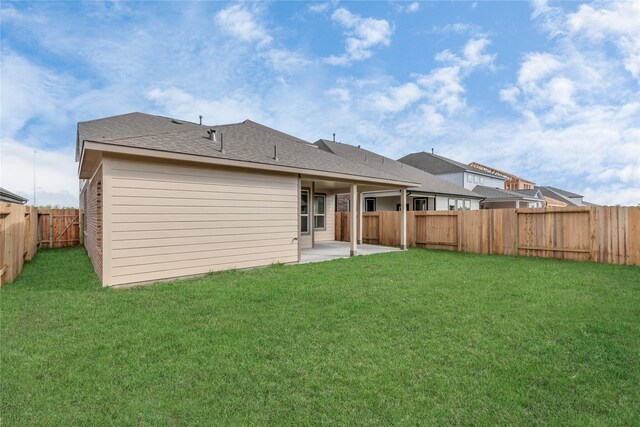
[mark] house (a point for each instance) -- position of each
(513, 182)
(560, 198)
(498, 198)
(453, 171)
(433, 193)
(165, 198)
(9, 197)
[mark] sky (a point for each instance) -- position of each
(549, 91)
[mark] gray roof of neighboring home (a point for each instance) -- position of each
(554, 194)
(428, 183)
(8, 196)
(499, 193)
(561, 192)
(246, 142)
(438, 165)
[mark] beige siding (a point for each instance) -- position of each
(168, 220)
(329, 232)
(91, 203)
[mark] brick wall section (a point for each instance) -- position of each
(91, 204)
(342, 202)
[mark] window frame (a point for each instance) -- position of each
(307, 215)
(452, 206)
(324, 214)
(370, 199)
(426, 204)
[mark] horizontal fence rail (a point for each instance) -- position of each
(606, 234)
(25, 229)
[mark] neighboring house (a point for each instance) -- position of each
(165, 198)
(560, 198)
(513, 182)
(498, 198)
(8, 196)
(433, 193)
(453, 171)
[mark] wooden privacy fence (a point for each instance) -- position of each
(607, 234)
(25, 229)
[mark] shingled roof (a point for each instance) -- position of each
(247, 141)
(498, 193)
(428, 182)
(438, 165)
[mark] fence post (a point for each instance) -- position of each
(517, 230)
(50, 229)
(6, 247)
(459, 229)
(593, 254)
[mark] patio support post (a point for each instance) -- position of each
(360, 209)
(353, 223)
(403, 219)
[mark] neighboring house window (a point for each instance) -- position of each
(452, 204)
(469, 178)
(370, 204)
(459, 204)
(304, 211)
(420, 204)
(475, 178)
(398, 206)
(481, 180)
(319, 211)
(467, 205)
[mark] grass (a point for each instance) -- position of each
(421, 337)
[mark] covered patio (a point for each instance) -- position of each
(325, 251)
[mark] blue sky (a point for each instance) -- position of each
(548, 91)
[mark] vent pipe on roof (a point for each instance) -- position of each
(212, 134)
(334, 137)
(221, 142)
(200, 120)
(275, 152)
(431, 150)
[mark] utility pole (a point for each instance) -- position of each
(34, 177)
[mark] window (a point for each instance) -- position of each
(475, 178)
(304, 211)
(319, 211)
(420, 204)
(398, 206)
(467, 205)
(370, 204)
(459, 204)
(469, 178)
(481, 180)
(452, 204)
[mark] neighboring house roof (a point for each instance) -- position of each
(8, 196)
(557, 194)
(495, 194)
(246, 142)
(428, 183)
(562, 192)
(439, 165)
(498, 172)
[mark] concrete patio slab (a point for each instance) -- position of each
(325, 251)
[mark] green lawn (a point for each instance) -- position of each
(421, 337)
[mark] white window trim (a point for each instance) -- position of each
(307, 216)
(324, 214)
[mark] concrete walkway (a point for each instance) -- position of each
(325, 251)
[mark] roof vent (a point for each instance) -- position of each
(178, 122)
(200, 120)
(212, 134)
(221, 142)
(275, 152)
(334, 137)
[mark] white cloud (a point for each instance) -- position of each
(319, 7)
(56, 178)
(408, 7)
(363, 34)
(395, 99)
(239, 22)
(537, 66)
